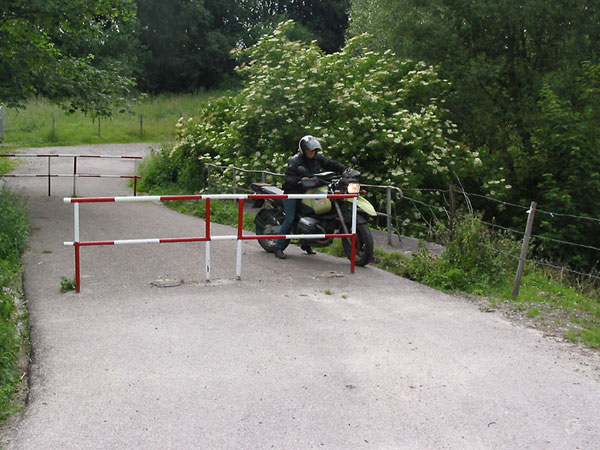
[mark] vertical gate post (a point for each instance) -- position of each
(74, 176)
(388, 211)
(522, 259)
(353, 252)
(207, 234)
(135, 177)
(240, 230)
(76, 243)
(49, 175)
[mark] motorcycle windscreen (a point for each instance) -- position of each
(319, 205)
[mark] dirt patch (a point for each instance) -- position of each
(552, 322)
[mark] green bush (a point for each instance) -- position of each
(475, 258)
(386, 112)
(67, 284)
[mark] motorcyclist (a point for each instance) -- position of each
(306, 162)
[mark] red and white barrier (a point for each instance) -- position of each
(207, 238)
(74, 175)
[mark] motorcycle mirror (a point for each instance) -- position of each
(353, 160)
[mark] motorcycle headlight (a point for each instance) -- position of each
(353, 188)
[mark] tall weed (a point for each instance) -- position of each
(475, 258)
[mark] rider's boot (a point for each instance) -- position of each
(308, 249)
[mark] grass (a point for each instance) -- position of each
(14, 228)
(153, 120)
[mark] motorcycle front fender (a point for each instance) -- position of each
(364, 205)
(360, 218)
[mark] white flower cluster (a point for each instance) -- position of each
(387, 112)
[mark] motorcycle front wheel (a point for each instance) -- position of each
(364, 245)
(270, 224)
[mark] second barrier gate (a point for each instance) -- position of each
(208, 237)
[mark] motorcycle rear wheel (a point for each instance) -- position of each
(364, 245)
(272, 225)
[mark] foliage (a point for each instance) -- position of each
(189, 42)
(386, 112)
(326, 20)
(562, 171)
(53, 49)
(67, 284)
(495, 52)
(474, 260)
(524, 77)
(9, 345)
(14, 226)
(13, 235)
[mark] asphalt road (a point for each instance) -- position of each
(298, 354)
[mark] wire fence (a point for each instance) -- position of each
(412, 208)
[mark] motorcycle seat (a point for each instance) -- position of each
(268, 189)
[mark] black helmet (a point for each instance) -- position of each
(308, 143)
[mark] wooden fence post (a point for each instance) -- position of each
(523, 257)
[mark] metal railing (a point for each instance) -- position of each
(75, 173)
(208, 236)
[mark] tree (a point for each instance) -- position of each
(523, 95)
(61, 50)
(190, 40)
(562, 170)
(495, 52)
(189, 43)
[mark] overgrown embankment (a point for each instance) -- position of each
(14, 228)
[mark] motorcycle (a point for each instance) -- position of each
(320, 216)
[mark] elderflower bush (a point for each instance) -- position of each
(386, 112)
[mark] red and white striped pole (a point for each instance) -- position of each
(76, 243)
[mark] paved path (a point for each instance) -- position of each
(286, 358)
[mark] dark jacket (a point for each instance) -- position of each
(318, 163)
